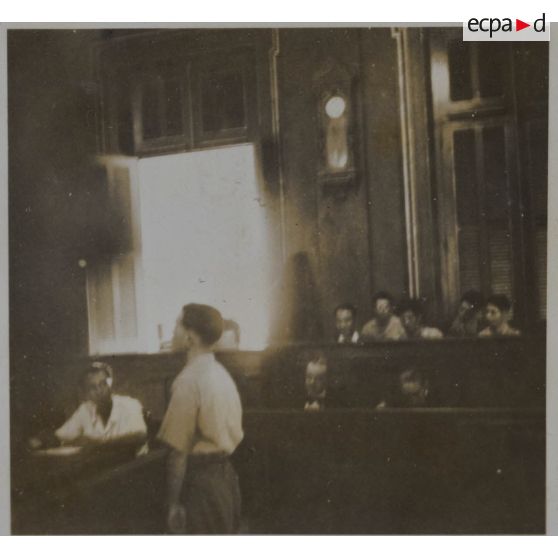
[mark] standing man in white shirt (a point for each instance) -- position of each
(202, 427)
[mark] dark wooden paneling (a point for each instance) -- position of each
(382, 146)
(55, 196)
(394, 472)
(422, 175)
(344, 233)
(89, 494)
(428, 471)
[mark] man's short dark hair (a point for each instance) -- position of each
(501, 301)
(474, 298)
(346, 306)
(382, 295)
(411, 305)
(205, 320)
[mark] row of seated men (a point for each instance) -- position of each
(409, 389)
(475, 317)
(110, 419)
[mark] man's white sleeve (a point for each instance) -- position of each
(135, 421)
(179, 424)
(73, 427)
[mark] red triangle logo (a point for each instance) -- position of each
(519, 25)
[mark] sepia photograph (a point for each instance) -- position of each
(277, 280)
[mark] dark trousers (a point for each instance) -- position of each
(211, 496)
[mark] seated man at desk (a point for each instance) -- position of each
(103, 417)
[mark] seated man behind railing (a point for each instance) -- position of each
(345, 324)
(315, 381)
(385, 325)
(411, 313)
(412, 390)
(498, 315)
(469, 318)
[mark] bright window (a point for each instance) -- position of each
(201, 236)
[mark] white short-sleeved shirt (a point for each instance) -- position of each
(204, 414)
(126, 417)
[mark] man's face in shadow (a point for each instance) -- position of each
(471, 320)
(464, 309)
(316, 379)
(414, 388)
(383, 311)
(345, 322)
(411, 322)
(97, 387)
(182, 338)
(495, 317)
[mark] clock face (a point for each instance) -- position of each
(335, 107)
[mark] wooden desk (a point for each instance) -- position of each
(89, 493)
